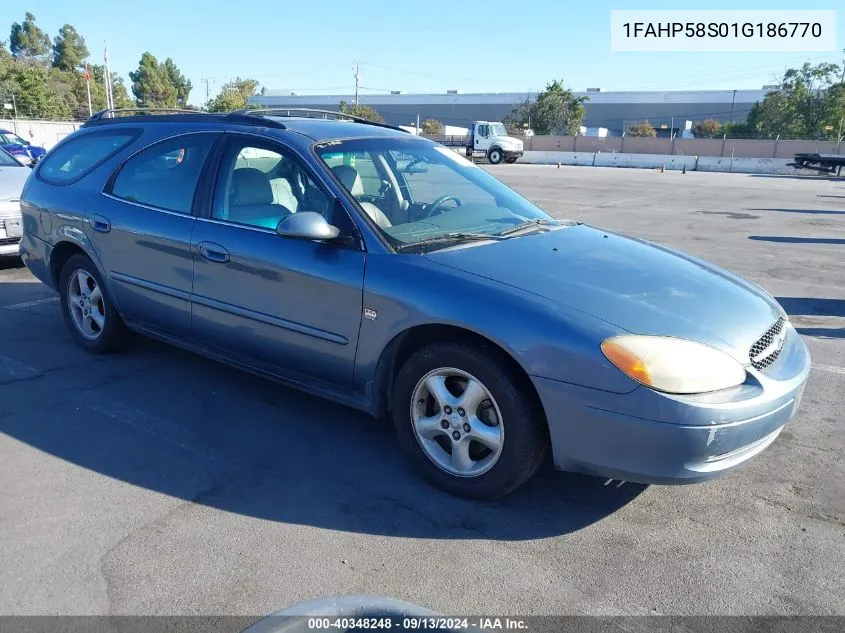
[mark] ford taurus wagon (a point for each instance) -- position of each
(384, 271)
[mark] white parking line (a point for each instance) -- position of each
(150, 424)
(30, 304)
(17, 370)
(831, 368)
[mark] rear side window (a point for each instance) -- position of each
(165, 175)
(73, 159)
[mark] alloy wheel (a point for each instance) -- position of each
(457, 422)
(86, 304)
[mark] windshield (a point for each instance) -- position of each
(8, 137)
(6, 160)
(497, 129)
(417, 191)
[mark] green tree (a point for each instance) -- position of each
(810, 103)
(432, 127)
(27, 41)
(362, 111)
(152, 85)
(555, 110)
(642, 128)
(119, 93)
(69, 49)
(37, 93)
(180, 82)
(234, 95)
(707, 128)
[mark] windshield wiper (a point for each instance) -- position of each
(448, 237)
(522, 226)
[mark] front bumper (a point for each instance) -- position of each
(655, 438)
(511, 153)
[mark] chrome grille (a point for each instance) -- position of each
(767, 348)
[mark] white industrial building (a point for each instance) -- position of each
(613, 111)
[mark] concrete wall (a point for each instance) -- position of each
(42, 133)
(659, 161)
(739, 148)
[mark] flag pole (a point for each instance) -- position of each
(88, 88)
(107, 80)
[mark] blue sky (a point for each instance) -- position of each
(311, 47)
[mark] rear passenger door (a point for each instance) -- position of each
(294, 306)
(143, 231)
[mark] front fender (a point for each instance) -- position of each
(545, 338)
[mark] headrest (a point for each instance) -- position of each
(350, 179)
(250, 186)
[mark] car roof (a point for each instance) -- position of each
(317, 127)
(328, 129)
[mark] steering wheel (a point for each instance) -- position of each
(435, 206)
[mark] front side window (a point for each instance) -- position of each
(260, 185)
(165, 175)
(77, 156)
(437, 193)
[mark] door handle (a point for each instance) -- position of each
(100, 223)
(213, 252)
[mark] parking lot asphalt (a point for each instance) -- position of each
(158, 482)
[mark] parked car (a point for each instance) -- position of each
(13, 175)
(23, 151)
(384, 271)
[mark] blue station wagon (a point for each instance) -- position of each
(384, 271)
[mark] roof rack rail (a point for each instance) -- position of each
(166, 115)
(264, 112)
(109, 113)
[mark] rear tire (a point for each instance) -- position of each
(88, 308)
(495, 155)
(484, 451)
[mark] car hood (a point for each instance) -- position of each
(637, 286)
(507, 142)
(12, 180)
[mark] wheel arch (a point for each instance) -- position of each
(61, 253)
(405, 343)
(67, 248)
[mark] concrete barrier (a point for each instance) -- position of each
(578, 159)
(749, 165)
(645, 161)
(657, 161)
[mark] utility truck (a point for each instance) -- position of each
(491, 140)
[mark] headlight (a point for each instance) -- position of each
(673, 365)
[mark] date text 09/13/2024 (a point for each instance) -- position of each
(416, 623)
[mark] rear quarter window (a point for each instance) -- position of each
(74, 158)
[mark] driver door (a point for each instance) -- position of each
(293, 305)
(482, 138)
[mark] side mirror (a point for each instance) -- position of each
(307, 225)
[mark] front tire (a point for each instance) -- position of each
(495, 155)
(467, 421)
(510, 161)
(88, 309)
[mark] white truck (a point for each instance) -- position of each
(490, 139)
